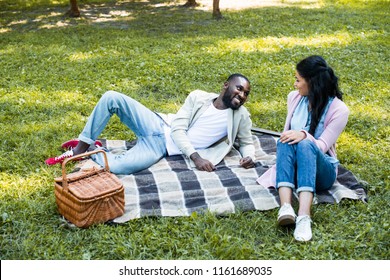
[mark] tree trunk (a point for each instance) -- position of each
(74, 9)
(75, 12)
(191, 3)
(216, 12)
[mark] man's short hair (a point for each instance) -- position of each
(237, 75)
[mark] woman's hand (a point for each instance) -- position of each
(292, 136)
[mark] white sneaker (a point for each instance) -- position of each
(286, 215)
(303, 228)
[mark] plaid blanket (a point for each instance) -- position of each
(172, 188)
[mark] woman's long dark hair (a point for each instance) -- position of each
(322, 83)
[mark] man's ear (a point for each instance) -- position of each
(225, 86)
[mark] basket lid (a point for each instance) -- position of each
(95, 186)
(79, 174)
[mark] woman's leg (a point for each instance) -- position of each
(314, 171)
(285, 181)
(285, 195)
(285, 165)
(305, 202)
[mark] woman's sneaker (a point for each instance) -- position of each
(286, 215)
(59, 159)
(303, 228)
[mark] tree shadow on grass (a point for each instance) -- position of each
(161, 52)
(153, 13)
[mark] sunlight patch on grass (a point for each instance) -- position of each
(51, 79)
(57, 24)
(17, 22)
(360, 151)
(99, 53)
(121, 13)
(81, 56)
(232, 5)
(305, 4)
(45, 16)
(169, 107)
(5, 30)
(128, 83)
(30, 97)
(356, 3)
(272, 44)
(368, 110)
(17, 186)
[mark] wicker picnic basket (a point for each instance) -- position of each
(89, 197)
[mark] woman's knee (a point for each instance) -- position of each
(284, 148)
(280, 145)
(305, 145)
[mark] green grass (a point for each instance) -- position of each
(53, 70)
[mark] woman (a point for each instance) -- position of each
(306, 151)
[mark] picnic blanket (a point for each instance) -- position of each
(172, 188)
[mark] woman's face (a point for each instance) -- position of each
(301, 85)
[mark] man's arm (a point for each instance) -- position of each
(201, 163)
(245, 141)
(247, 162)
(180, 125)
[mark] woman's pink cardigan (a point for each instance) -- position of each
(335, 121)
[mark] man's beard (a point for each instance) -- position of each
(227, 100)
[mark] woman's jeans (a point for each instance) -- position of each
(147, 126)
(303, 165)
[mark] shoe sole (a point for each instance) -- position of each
(73, 143)
(301, 239)
(69, 144)
(286, 220)
(60, 162)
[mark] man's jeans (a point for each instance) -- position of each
(303, 165)
(147, 126)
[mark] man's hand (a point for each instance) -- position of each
(247, 162)
(201, 163)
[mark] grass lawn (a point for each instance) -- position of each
(54, 69)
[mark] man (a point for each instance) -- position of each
(204, 129)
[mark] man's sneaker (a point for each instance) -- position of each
(59, 159)
(71, 144)
(303, 228)
(286, 215)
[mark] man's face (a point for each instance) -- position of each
(236, 93)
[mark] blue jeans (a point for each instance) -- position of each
(303, 165)
(147, 126)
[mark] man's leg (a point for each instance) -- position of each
(147, 126)
(144, 154)
(142, 121)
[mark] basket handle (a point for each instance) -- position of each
(64, 179)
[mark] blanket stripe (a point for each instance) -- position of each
(172, 188)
